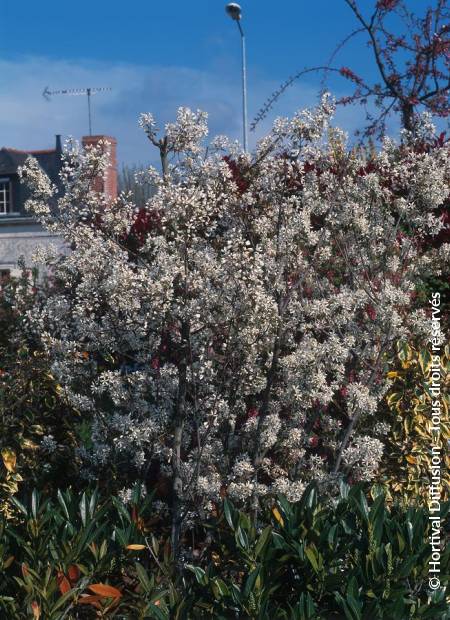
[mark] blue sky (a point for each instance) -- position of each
(157, 56)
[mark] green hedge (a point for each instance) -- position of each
(70, 557)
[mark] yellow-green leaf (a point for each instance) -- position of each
(9, 459)
(277, 515)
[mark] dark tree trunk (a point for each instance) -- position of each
(407, 116)
(179, 420)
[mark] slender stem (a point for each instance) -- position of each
(179, 420)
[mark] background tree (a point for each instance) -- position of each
(411, 51)
(133, 179)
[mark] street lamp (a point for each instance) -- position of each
(235, 12)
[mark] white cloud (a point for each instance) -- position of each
(28, 121)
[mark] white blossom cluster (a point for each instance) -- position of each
(363, 455)
(48, 444)
(231, 348)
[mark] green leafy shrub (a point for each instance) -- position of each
(83, 556)
(37, 429)
(405, 470)
(314, 561)
(76, 557)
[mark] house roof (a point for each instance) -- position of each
(49, 160)
(10, 160)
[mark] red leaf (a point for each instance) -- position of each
(63, 583)
(36, 610)
(73, 572)
(90, 599)
(104, 590)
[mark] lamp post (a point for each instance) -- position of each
(235, 12)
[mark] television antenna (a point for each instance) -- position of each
(47, 93)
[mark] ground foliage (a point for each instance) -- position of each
(33, 416)
(405, 471)
(79, 556)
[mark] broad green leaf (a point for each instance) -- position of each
(250, 582)
(143, 577)
(83, 509)
(62, 501)
(262, 540)
(156, 612)
(34, 503)
(312, 555)
(228, 511)
(199, 573)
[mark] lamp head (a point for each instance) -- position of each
(234, 11)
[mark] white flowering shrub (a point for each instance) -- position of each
(230, 338)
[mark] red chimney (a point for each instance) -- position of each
(107, 185)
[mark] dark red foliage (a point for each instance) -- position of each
(155, 362)
(367, 169)
(387, 5)
(350, 75)
(343, 392)
(237, 174)
(371, 312)
(413, 63)
(145, 221)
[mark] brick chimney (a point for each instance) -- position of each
(107, 185)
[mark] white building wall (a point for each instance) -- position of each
(20, 237)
